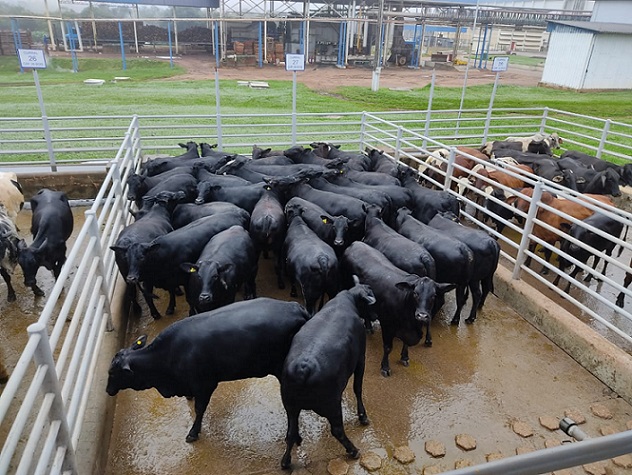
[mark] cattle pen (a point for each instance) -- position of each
(72, 340)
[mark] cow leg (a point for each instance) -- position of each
(37, 291)
(337, 429)
(358, 376)
(250, 288)
(292, 436)
(10, 290)
(148, 293)
(387, 341)
(403, 357)
(475, 289)
(171, 307)
(201, 400)
(547, 257)
(278, 269)
(428, 340)
(461, 298)
(531, 248)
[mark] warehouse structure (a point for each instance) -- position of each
(592, 55)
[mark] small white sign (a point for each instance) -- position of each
(501, 63)
(32, 58)
(295, 62)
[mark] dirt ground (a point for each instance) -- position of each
(327, 78)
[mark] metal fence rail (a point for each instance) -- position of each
(64, 344)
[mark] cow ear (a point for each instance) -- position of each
(189, 268)
(443, 288)
(356, 280)
(406, 286)
(566, 227)
(139, 343)
(325, 219)
(118, 248)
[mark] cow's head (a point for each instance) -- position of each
(135, 187)
(364, 298)
(120, 374)
(29, 259)
(421, 293)
(209, 277)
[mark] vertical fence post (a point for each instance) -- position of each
(450, 169)
(45, 125)
(429, 110)
(545, 115)
(527, 230)
(91, 218)
(170, 45)
(488, 120)
(398, 142)
(120, 29)
(44, 357)
(362, 131)
(604, 137)
(17, 39)
(218, 111)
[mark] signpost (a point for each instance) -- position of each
(35, 59)
(294, 62)
(500, 64)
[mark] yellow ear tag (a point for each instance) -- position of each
(138, 342)
(325, 221)
(192, 270)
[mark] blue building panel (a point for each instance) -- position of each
(167, 3)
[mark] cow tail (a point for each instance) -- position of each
(625, 238)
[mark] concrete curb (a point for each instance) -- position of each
(608, 363)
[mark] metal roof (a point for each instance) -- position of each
(168, 3)
(598, 26)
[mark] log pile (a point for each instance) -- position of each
(109, 30)
(153, 34)
(7, 45)
(196, 34)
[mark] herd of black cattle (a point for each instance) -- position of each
(357, 228)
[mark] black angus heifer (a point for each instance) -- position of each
(408, 255)
(9, 240)
(156, 222)
(331, 229)
(354, 160)
(586, 180)
(186, 213)
(139, 185)
(333, 203)
(405, 302)
(51, 226)
(592, 241)
(371, 178)
(267, 228)
(192, 356)
(381, 163)
(486, 251)
(299, 154)
(184, 184)
(599, 165)
(311, 262)
(246, 197)
(324, 354)
(163, 164)
(227, 261)
(426, 202)
(453, 259)
(159, 261)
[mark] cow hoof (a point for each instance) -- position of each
(364, 420)
(355, 453)
(157, 316)
(428, 344)
(11, 298)
(405, 363)
(454, 322)
(286, 464)
(192, 438)
(38, 292)
(470, 320)
(386, 372)
(170, 311)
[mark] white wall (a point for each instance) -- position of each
(579, 5)
(608, 68)
(615, 11)
(567, 59)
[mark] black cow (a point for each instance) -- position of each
(626, 283)
(299, 154)
(354, 160)
(324, 354)
(182, 183)
(399, 195)
(486, 252)
(331, 229)
(245, 197)
(227, 261)
(333, 203)
(453, 259)
(381, 163)
(267, 228)
(186, 213)
(276, 157)
(586, 180)
(163, 164)
(371, 178)
(591, 240)
(427, 202)
(192, 356)
(598, 164)
(311, 262)
(156, 222)
(139, 185)
(208, 178)
(9, 241)
(401, 251)
(51, 226)
(405, 302)
(159, 261)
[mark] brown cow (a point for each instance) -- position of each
(462, 164)
(554, 220)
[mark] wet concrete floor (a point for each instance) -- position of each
(477, 379)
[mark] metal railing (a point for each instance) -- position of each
(47, 425)
(46, 405)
